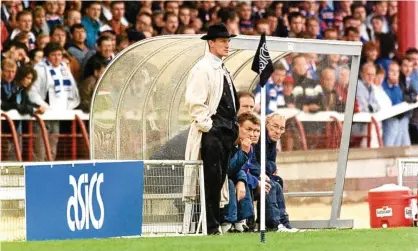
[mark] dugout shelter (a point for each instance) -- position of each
(138, 104)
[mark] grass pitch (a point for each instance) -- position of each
(401, 239)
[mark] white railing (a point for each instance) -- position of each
(49, 115)
(362, 117)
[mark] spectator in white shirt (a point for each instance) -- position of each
(381, 96)
(56, 89)
(382, 99)
(366, 97)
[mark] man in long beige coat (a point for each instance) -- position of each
(212, 102)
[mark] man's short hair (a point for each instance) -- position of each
(98, 63)
(241, 4)
(353, 29)
(305, 35)
(33, 52)
(411, 51)
(8, 62)
(77, 26)
(366, 65)
(330, 29)
(23, 13)
(52, 47)
(273, 115)
(279, 66)
(121, 38)
(184, 28)
(296, 57)
(270, 13)
(312, 18)
(376, 17)
(144, 14)
(167, 2)
(134, 35)
(378, 2)
(67, 13)
(293, 15)
(57, 27)
(91, 3)
(102, 39)
(327, 69)
(17, 45)
(355, 6)
(184, 7)
(368, 46)
(41, 36)
(38, 10)
(248, 116)
(262, 21)
(116, 2)
(226, 14)
(404, 58)
(243, 94)
(21, 36)
(167, 15)
(347, 18)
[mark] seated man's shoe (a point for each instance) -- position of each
(226, 227)
(293, 229)
(241, 227)
(282, 228)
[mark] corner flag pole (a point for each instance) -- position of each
(263, 66)
(263, 166)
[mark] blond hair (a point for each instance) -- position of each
(8, 62)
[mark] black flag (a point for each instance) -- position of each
(262, 63)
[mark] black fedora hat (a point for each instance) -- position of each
(217, 31)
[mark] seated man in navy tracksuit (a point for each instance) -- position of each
(276, 215)
(241, 182)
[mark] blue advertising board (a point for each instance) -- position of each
(84, 200)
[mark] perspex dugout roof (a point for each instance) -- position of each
(138, 103)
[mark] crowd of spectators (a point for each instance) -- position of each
(69, 44)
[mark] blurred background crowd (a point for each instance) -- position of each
(71, 42)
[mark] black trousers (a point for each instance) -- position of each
(413, 133)
(215, 153)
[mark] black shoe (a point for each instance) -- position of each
(251, 224)
(214, 231)
(217, 232)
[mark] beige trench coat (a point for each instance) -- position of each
(203, 93)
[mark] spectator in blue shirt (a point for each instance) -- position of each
(92, 23)
(410, 92)
(412, 54)
(395, 129)
(275, 92)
